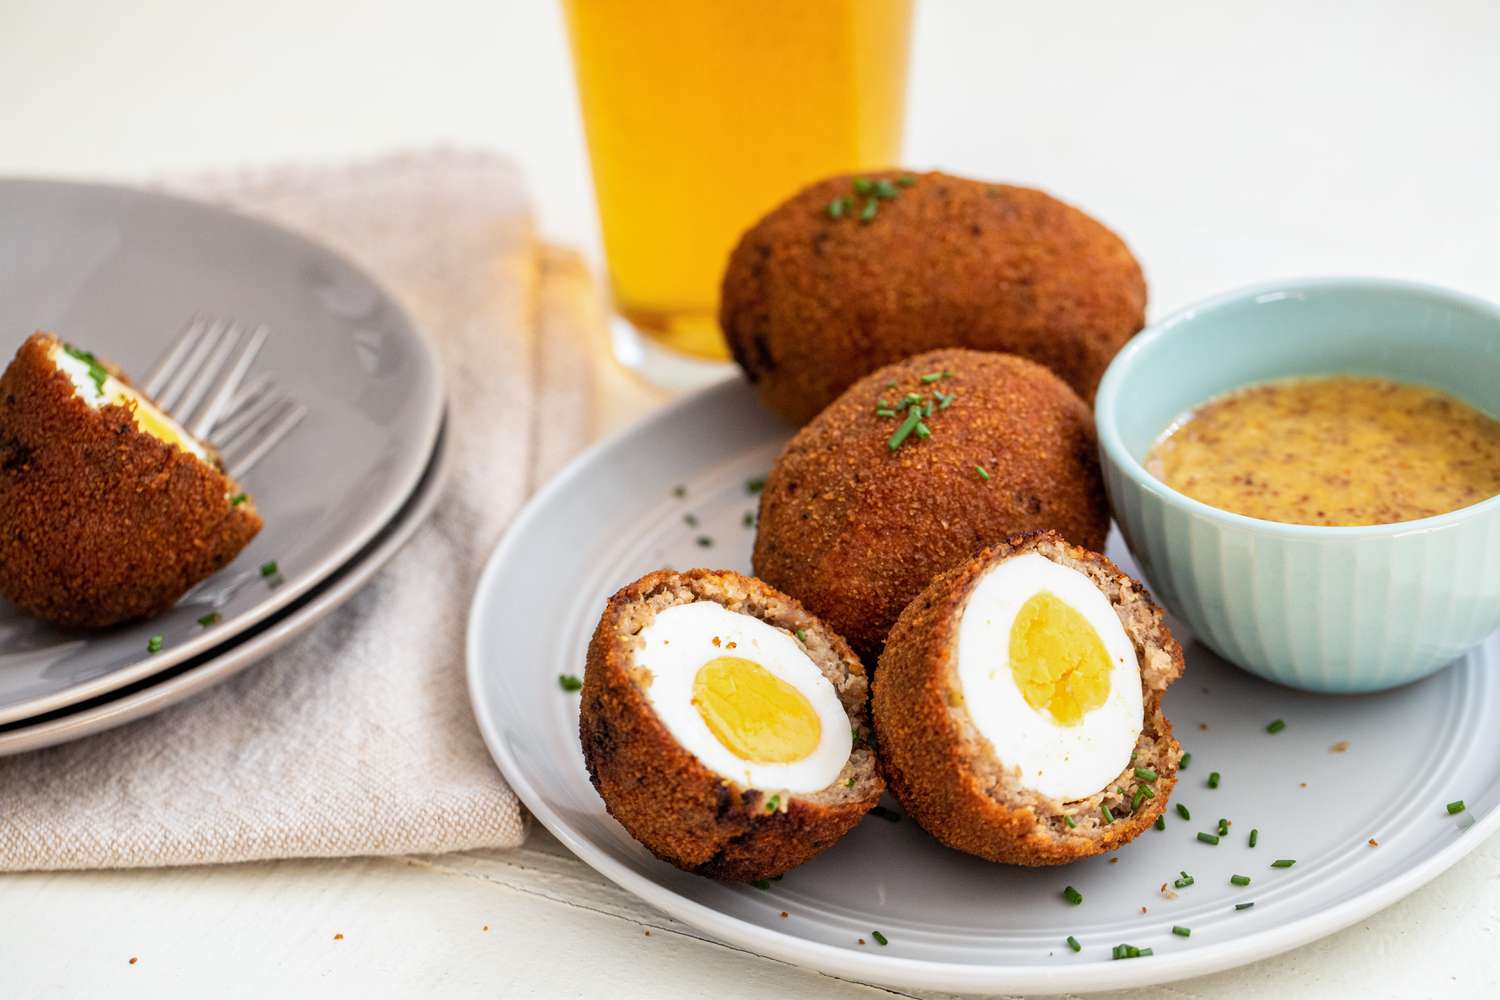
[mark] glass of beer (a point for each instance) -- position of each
(702, 115)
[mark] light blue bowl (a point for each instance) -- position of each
(1325, 609)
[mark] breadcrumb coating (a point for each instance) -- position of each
(810, 303)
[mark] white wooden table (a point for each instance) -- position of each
(1228, 143)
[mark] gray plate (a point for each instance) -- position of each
(955, 922)
(136, 701)
(119, 271)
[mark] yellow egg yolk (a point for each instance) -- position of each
(152, 421)
(758, 716)
(1058, 660)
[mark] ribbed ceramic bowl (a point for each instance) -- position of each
(1325, 609)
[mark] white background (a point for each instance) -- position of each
(1229, 143)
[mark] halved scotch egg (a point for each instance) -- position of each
(1017, 705)
(724, 726)
(109, 509)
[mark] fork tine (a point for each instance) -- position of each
(167, 366)
(205, 378)
(265, 437)
(253, 390)
(178, 384)
(228, 389)
(248, 414)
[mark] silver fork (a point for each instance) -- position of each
(200, 381)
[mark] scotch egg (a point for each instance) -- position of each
(1017, 705)
(109, 509)
(724, 726)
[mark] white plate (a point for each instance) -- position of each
(119, 272)
(954, 922)
(159, 691)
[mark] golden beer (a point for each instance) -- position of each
(703, 114)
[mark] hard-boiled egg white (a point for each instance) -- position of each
(744, 698)
(1049, 676)
(98, 388)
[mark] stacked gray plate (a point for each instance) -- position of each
(119, 272)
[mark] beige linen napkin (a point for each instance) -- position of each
(357, 738)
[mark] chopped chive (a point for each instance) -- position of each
(1161, 823)
(1069, 820)
(871, 207)
(837, 206)
(849, 783)
(1182, 765)
(705, 542)
(913, 417)
(910, 399)
(1136, 799)
(982, 474)
(1213, 779)
(923, 431)
(690, 520)
(1283, 863)
(569, 682)
(1239, 880)
(935, 376)
(1254, 836)
(270, 568)
(1243, 906)
(749, 519)
(885, 189)
(801, 634)
(862, 185)
(98, 374)
(1183, 882)
(1072, 895)
(1109, 817)
(237, 499)
(212, 618)
(889, 815)
(885, 411)
(1454, 808)
(1208, 838)
(1073, 943)
(753, 486)
(773, 803)
(761, 884)
(1276, 726)
(1182, 811)
(906, 181)
(1223, 827)
(1182, 931)
(880, 938)
(1145, 774)
(153, 644)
